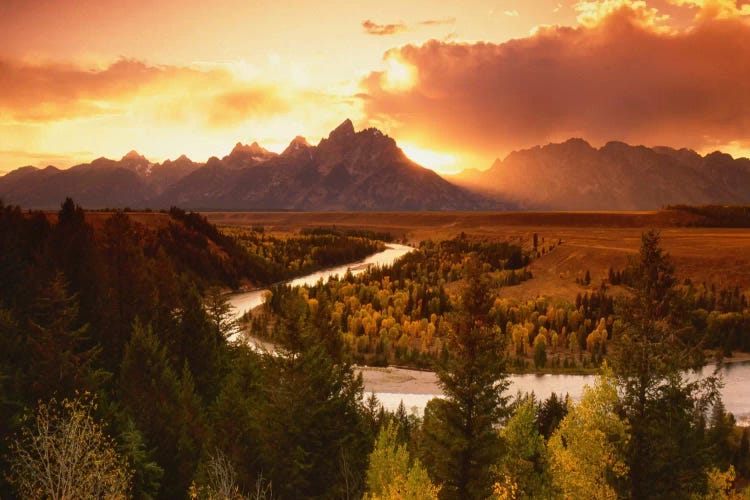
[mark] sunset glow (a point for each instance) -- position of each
(467, 81)
(440, 162)
(399, 75)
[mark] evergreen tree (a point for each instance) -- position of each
(147, 474)
(234, 417)
(73, 251)
(164, 407)
(459, 440)
(314, 438)
(219, 312)
(125, 286)
(196, 341)
(667, 454)
(550, 413)
(62, 359)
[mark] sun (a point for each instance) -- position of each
(399, 75)
(442, 163)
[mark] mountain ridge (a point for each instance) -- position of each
(365, 170)
(348, 170)
(573, 175)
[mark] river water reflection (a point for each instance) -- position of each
(735, 394)
(736, 376)
(243, 302)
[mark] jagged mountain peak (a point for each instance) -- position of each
(343, 131)
(133, 155)
(240, 148)
(243, 156)
(297, 144)
(347, 170)
(253, 149)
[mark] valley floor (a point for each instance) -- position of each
(593, 241)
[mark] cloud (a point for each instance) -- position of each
(511, 13)
(43, 93)
(372, 28)
(231, 108)
(48, 92)
(595, 12)
(624, 73)
(716, 9)
(438, 22)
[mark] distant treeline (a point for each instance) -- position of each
(283, 257)
(716, 215)
(358, 233)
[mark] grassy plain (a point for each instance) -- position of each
(593, 241)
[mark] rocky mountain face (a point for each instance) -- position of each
(348, 170)
(575, 176)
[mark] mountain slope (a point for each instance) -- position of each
(348, 170)
(575, 176)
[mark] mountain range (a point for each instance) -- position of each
(348, 170)
(576, 176)
(367, 171)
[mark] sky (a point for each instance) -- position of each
(457, 83)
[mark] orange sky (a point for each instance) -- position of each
(457, 83)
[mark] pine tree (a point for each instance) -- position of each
(164, 408)
(73, 251)
(650, 353)
(124, 283)
(62, 360)
(198, 342)
(219, 312)
(460, 443)
(314, 439)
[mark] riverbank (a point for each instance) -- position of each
(415, 388)
(398, 380)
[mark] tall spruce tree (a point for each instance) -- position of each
(164, 407)
(460, 442)
(314, 439)
(62, 359)
(653, 348)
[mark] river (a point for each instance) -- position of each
(243, 302)
(415, 388)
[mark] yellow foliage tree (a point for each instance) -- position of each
(389, 475)
(62, 453)
(587, 451)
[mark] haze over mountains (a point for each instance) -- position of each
(347, 171)
(576, 176)
(367, 171)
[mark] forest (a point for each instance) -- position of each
(117, 379)
(401, 314)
